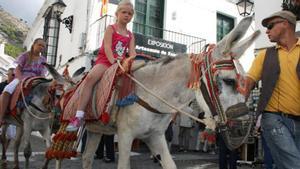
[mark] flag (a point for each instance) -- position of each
(104, 7)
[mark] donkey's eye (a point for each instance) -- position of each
(229, 82)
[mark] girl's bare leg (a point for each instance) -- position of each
(89, 82)
(85, 93)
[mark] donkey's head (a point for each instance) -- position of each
(67, 83)
(223, 74)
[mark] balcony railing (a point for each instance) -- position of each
(188, 43)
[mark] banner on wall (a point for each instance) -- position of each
(104, 7)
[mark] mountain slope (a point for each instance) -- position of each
(13, 32)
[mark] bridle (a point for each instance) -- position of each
(48, 101)
(204, 62)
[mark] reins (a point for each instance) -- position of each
(158, 97)
(209, 69)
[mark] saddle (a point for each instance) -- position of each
(101, 109)
(26, 85)
(98, 108)
(101, 94)
(104, 97)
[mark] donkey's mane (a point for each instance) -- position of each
(163, 61)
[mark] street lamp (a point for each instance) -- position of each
(245, 7)
(58, 7)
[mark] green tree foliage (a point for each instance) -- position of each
(13, 50)
(12, 33)
(15, 36)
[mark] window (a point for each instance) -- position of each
(224, 25)
(149, 17)
(50, 35)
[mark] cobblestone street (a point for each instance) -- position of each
(139, 160)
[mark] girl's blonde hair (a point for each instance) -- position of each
(123, 3)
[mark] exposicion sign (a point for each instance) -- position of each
(157, 45)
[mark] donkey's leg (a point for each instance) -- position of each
(124, 146)
(19, 134)
(46, 133)
(158, 146)
(58, 164)
(27, 146)
(92, 141)
(4, 141)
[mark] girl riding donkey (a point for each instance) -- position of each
(117, 39)
(29, 65)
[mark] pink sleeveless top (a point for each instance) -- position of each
(120, 44)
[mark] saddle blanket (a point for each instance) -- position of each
(26, 85)
(101, 95)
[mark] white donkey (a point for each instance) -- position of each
(169, 79)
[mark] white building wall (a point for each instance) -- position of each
(262, 10)
(199, 18)
(196, 17)
(69, 44)
(37, 28)
(192, 17)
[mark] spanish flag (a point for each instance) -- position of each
(104, 7)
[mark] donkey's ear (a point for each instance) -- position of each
(54, 73)
(234, 36)
(239, 49)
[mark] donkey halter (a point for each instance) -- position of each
(211, 68)
(48, 101)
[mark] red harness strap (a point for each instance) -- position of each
(210, 68)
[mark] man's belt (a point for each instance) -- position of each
(297, 118)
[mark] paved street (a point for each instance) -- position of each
(139, 160)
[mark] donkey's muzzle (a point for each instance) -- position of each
(237, 110)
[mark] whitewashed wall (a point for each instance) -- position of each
(69, 45)
(199, 18)
(37, 28)
(262, 10)
(192, 17)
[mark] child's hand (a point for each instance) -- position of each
(112, 60)
(125, 65)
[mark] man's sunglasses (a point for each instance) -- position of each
(271, 25)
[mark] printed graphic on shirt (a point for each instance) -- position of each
(119, 48)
